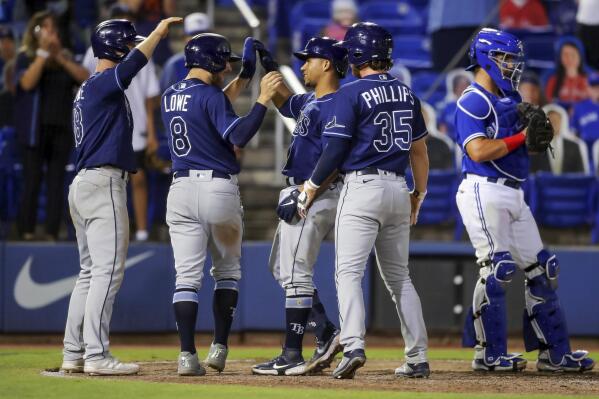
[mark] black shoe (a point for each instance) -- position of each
(324, 354)
(349, 364)
(290, 362)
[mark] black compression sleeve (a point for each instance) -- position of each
(332, 156)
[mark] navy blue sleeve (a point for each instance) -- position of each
(342, 119)
(247, 126)
(292, 107)
(334, 153)
(126, 70)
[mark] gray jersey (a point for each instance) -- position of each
(296, 245)
(374, 211)
(204, 213)
(98, 205)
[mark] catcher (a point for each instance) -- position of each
(496, 132)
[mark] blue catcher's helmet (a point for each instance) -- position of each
(324, 47)
(209, 51)
(110, 39)
(500, 54)
(367, 41)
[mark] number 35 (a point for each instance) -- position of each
(396, 129)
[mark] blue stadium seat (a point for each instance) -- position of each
(422, 82)
(439, 205)
(310, 9)
(399, 17)
(563, 201)
(412, 50)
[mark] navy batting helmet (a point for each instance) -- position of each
(209, 51)
(111, 39)
(324, 47)
(367, 41)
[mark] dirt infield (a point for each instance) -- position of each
(447, 376)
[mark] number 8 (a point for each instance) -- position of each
(181, 144)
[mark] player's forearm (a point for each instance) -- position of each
(420, 166)
(484, 150)
(234, 88)
(32, 75)
(246, 127)
(331, 159)
(148, 46)
(281, 96)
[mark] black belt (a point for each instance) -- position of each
(215, 173)
(506, 182)
(371, 170)
(123, 172)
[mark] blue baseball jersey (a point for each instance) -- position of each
(382, 117)
(102, 122)
(311, 115)
(585, 120)
(198, 117)
(482, 114)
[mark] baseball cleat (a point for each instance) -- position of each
(577, 361)
(290, 362)
(417, 370)
(189, 365)
(350, 362)
(217, 357)
(511, 362)
(109, 366)
(324, 354)
(72, 366)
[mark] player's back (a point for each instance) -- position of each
(195, 117)
(382, 117)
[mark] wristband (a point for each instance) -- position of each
(419, 195)
(514, 141)
(309, 184)
(40, 52)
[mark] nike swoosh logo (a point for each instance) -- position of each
(279, 367)
(31, 295)
(288, 203)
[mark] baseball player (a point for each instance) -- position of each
(297, 241)
(492, 128)
(375, 130)
(97, 197)
(203, 206)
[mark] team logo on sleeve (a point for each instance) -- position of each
(333, 124)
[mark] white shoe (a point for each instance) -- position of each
(188, 364)
(72, 366)
(109, 366)
(217, 357)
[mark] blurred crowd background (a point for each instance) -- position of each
(45, 55)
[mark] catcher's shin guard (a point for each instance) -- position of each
(544, 323)
(488, 309)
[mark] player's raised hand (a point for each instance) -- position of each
(163, 26)
(248, 59)
(266, 59)
(268, 86)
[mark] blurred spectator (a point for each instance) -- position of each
(174, 69)
(401, 73)
(522, 14)
(569, 154)
(585, 118)
(7, 95)
(47, 77)
(440, 147)
(569, 82)
(587, 19)
(344, 14)
(452, 24)
(456, 82)
(530, 89)
(143, 94)
(7, 48)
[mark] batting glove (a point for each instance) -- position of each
(287, 209)
(248, 59)
(266, 59)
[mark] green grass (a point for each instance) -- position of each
(20, 378)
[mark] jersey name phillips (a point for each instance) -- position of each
(176, 102)
(387, 94)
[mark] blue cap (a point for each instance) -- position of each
(325, 47)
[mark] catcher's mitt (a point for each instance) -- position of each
(539, 131)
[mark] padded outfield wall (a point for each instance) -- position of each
(36, 280)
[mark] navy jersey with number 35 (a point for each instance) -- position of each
(198, 118)
(382, 117)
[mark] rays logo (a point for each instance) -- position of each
(297, 328)
(301, 129)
